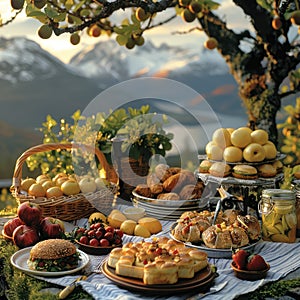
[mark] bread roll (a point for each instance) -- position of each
(160, 273)
(153, 225)
(168, 196)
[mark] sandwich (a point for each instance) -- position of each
(219, 169)
(278, 165)
(266, 171)
(204, 166)
(244, 172)
(53, 255)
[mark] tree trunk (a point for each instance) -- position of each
(262, 108)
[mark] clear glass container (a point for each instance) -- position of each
(279, 219)
(297, 191)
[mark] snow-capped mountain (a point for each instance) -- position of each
(108, 60)
(24, 60)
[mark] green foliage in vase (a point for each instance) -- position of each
(55, 161)
(291, 133)
(141, 131)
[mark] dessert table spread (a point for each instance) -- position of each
(283, 259)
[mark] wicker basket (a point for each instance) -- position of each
(68, 208)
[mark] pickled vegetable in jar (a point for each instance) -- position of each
(297, 190)
(279, 219)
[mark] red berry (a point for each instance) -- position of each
(104, 243)
(109, 229)
(97, 225)
(91, 233)
(256, 263)
(99, 234)
(84, 240)
(119, 233)
(94, 243)
(109, 236)
(240, 258)
(158, 251)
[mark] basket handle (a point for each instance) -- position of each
(17, 177)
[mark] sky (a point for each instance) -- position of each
(64, 50)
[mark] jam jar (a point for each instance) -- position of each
(278, 212)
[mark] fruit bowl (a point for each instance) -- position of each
(249, 275)
(96, 250)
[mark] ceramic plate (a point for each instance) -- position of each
(279, 156)
(211, 252)
(19, 261)
(201, 281)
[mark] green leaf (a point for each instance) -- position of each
(135, 20)
(69, 4)
(50, 12)
(60, 17)
(79, 5)
(121, 39)
(289, 109)
(212, 4)
(120, 30)
(76, 20)
(265, 4)
(125, 22)
(76, 115)
(178, 10)
(36, 14)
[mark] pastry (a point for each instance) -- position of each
(160, 261)
(191, 191)
(143, 190)
(168, 196)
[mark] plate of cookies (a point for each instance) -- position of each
(157, 266)
(231, 230)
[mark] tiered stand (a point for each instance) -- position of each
(246, 192)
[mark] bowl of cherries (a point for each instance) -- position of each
(98, 239)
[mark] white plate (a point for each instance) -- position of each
(211, 252)
(19, 261)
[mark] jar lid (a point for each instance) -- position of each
(279, 194)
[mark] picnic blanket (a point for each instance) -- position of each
(282, 257)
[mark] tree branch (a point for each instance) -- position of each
(11, 19)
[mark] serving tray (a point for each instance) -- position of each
(211, 252)
(200, 282)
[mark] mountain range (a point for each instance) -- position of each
(34, 84)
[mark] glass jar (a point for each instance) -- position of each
(279, 220)
(297, 191)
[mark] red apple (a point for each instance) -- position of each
(25, 236)
(29, 213)
(11, 225)
(50, 228)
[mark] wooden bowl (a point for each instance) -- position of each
(249, 275)
(96, 250)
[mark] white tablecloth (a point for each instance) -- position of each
(283, 259)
